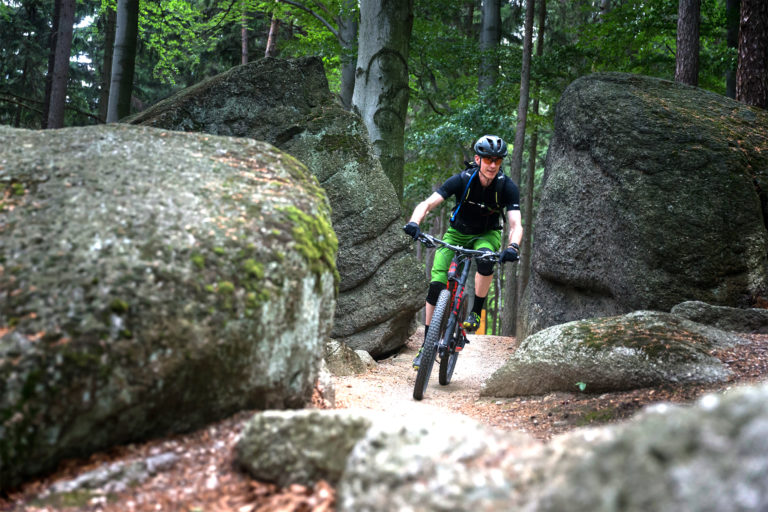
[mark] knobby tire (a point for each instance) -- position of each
(435, 334)
(448, 362)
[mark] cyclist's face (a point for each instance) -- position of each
(489, 167)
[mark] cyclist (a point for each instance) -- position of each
(482, 192)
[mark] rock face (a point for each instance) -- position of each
(152, 282)
(288, 104)
(753, 320)
(654, 193)
(711, 456)
(640, 349)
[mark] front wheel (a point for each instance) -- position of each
(448, 362)
(435, 334)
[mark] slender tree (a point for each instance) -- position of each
(381, 86)
(732, 38)
(123, 60)
(687, 54)
(347, 22)
(58, 70)
(752, 68)
(244, 37)
(274, 30)
(109, 19)
(490, 36)
(516, 161)
(527, 245)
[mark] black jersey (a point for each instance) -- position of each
(478, 209)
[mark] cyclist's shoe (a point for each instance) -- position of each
(417, 359)
(472, 322)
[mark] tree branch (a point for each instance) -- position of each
(18, 100)
(223, 17)
(313, 13)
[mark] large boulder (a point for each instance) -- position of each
(152, 282)
(654, 193)
(640, 349)
(287, 103)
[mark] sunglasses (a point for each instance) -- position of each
(492, 160)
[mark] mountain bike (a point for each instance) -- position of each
(446, 336)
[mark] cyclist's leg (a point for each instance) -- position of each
(491, 241)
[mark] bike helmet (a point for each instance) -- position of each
(491, 145)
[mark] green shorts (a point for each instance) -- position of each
(443, 256)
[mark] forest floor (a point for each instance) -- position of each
(204, 477)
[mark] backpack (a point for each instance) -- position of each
(467, 175)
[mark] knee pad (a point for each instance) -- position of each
(485, 268)
(435, 287)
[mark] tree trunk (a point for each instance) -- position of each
(752, 68)
(51, 63)
(244, 37)
(347, 37)
(381, 80)
(732, 38)
(516, 163)
(58, 97)
(490, 36)
(274, 30)
(58, 64)
(687, 55)
(123, 60)
(110, 19)
(527, 244)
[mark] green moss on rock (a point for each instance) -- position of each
(315, 240)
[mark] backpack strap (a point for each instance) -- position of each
(465, 194)
(500, 182)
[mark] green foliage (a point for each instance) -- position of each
(640, 37)
(170, 29)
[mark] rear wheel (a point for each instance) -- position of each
(448, 362)
(435, 334)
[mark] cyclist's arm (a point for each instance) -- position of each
(426, 206)
(515, 226)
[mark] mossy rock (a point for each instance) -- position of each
(654, 193)
(156, 281)
(640, 349)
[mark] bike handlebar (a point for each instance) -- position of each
(431, 241)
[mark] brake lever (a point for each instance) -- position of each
(426, 241)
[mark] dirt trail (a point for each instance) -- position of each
(389, 386)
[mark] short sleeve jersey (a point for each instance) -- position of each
(480, 208)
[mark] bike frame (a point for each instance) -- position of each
(457, 297)
(461, 258)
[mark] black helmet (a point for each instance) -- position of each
(491, 145)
